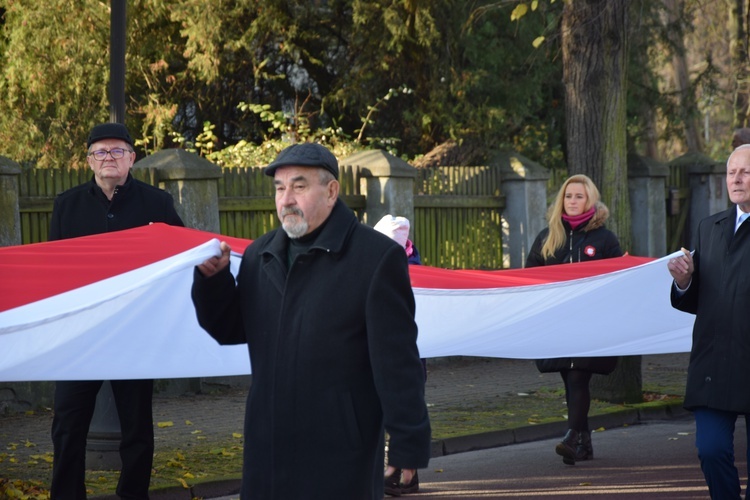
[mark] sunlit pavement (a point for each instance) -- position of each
(656, 460)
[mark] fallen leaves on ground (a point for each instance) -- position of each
(22, 490)
(653, 396)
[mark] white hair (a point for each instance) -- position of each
(738, 149)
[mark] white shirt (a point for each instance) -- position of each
(740, 213)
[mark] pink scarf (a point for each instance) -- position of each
(578, 220)
(409, 248)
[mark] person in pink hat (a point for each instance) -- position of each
(401, 481)
(397, 228)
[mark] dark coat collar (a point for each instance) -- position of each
(121, 189)
(727, 220)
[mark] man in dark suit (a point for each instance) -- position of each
(326, 308)
(111, 201)
(714, 284)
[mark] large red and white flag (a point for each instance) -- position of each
(117, 306)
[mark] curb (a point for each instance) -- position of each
(213, 489)
(451, 446)
(495, 439)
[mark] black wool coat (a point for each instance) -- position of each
(332, 343)
(719, 296)
(85, 210)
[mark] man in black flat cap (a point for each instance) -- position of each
(326, 308)
(112, 201)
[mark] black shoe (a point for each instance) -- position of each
(567, 447)
(584, 451)
(395, 488)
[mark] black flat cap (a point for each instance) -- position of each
(306, 154)
(109, 131)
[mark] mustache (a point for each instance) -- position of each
(291, 211)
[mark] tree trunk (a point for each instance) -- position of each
(688, 108)
(595, 57)
(624, 385)
(738, 48)
(594, 47)
(643, 76)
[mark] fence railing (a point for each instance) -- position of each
(677, 205)
(457, 219)
(455, 226)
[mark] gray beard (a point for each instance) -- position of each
(297, 230)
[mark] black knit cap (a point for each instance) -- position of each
(109, 131)
(306, 154)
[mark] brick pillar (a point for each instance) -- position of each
(192, 182)
(16, 396)
(524, 185)
(387, 182)
(647, 183)
(708, 187)
(10, 218)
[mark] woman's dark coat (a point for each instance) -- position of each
(333, 351)
(719, 296)
(591, 241)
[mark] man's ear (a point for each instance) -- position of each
(333, 191)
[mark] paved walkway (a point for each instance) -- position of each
(451, 382)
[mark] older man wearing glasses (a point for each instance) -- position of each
(111, 201)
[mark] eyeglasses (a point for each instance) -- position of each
(115, 153)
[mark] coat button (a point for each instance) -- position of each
(110, 216)
(708, 379)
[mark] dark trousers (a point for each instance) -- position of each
(714, 438)
(577, 398)
(73, 409)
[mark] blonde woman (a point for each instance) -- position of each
(575, 233)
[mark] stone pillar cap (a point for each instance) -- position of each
(178, 164)
(379, 163)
